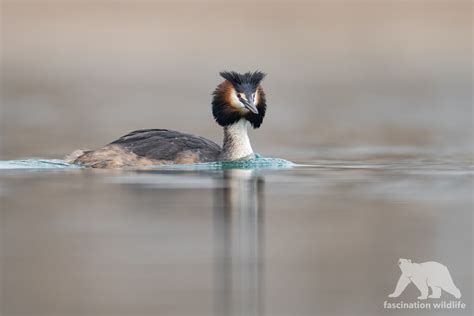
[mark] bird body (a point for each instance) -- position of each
(237, 102)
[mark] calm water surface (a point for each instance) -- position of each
(320, 238)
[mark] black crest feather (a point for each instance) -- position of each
(248, 78)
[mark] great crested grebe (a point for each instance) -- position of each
(237, 102)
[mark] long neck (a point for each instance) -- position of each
(236, 141)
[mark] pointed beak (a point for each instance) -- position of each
(249, 105)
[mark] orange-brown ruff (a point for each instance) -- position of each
(237, 102)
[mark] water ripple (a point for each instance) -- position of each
(36, 164)
(257, 162)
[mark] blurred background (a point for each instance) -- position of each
(374, 97)
(365, 74)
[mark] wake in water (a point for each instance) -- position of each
(258, 162)
(36, 164)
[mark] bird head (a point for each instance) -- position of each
(240, 96)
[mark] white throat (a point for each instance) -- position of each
(236, 141)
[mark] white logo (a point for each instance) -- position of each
(423, 275)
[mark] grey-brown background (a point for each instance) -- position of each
(78, 74)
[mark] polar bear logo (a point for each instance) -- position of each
(423, 275)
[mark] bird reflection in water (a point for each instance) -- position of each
(239, 244)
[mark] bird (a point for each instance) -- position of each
(237, 103)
